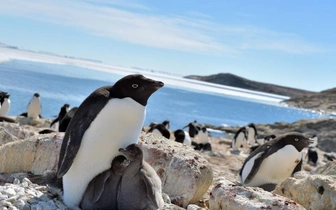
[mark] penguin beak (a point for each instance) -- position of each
(122, 150)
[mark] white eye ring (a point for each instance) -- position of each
(296, 139)
(135, 86)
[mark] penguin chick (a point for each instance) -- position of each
(139, 184)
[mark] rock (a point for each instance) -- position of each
(38, 122)
(230, 196)
(184, 173)
(311, 191)
(36, 154)
(6, 137)
(18, 131)
(327, 169)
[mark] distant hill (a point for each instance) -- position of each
(240, 82)
(324, 100)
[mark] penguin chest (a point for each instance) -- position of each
(277, 167)
(34, 108)
(239, 141)
(187, 139)
(156, 131)
(203, 138)
(4, 107)
(251, 136)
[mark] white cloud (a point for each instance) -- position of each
(134, 23)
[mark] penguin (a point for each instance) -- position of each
(63, 124)
(261, 142)
(274, 161)
(34, 107)
(182, 137)
(166, 123)
(251, 134)
(329, 156)
(193, 129)
(203, 140)
(139, 183)
(4, 104)
(101, 193)
(312, 155)
(109, 118)
(269, 138)
(239, 139)
(315, 141)
(61, 114)
(160, 129)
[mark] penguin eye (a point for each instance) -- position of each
(135, 86)
(296, 139)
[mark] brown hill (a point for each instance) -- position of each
(240, 82)
(324, 100)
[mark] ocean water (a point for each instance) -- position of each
(60, 84)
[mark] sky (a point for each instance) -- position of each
(289, 43)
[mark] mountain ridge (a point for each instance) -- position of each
(240, 82)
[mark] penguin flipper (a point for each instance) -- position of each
(54, 121)
(77, 128)
(99, 185)
(257, 163)
(150, 186)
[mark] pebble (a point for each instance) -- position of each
(25, 195)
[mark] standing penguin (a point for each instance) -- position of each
(101, 193)
(251, 134)
(63, 124)
(166, 123)
(34, 107)
(4, 104)
(109, 118)
(193, 129)
(182, 137)
(274, 161)
(239, 139)
(139, 183)
(61, 114)
(160, 129)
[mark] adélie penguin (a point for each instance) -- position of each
(61, 114)
(109, 118)
(101, 192)
(140, 186)
(34, 107)
(274, 161)
(4, 104)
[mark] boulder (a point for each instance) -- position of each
(233, 196)
(35, 154)
(327, 169)
(18, 131)
(37, 123)
(311, 191)
(6, 137)
(184, 173)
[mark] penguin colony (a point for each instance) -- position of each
(110, 121)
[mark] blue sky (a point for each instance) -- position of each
(290, 43)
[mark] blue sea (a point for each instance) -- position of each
(60, 84)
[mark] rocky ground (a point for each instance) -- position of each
(208, 180)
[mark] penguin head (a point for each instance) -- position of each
(37, 95)
(132, 152)
(297, 140)
(119, 163)
(137, 87)
(179, 135)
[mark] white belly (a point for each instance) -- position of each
(239, 141)
(4, 108)
(187, 139)
(202, 137)
(251, 136)
(275, 168)
(34, 108)
(116, 126)
(156, 131)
